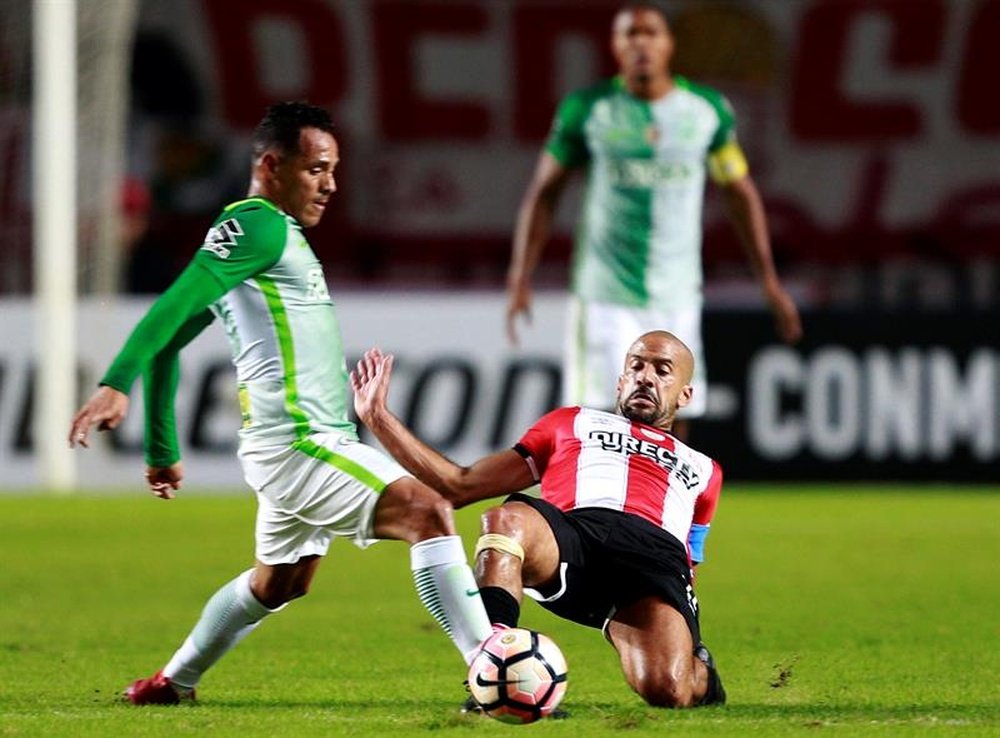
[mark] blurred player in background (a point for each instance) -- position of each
(314, 480)
(645, 139)
(624, 511)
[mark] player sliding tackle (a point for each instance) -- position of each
(299, 452)
(622, 519)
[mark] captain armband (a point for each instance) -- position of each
(696, 542)
(501, 543)
(727, 164)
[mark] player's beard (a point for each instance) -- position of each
(655, 415)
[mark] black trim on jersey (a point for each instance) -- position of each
(529, 460)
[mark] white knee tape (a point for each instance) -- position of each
(498, 542)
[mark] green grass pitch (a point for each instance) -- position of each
(831, 611)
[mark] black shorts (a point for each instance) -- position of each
(610, 559)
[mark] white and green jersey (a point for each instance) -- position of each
(281, 324)
(256, 272)
(639, 238)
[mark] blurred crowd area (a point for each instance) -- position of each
(872, 129)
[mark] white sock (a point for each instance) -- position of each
(229, 616)
(449, 592)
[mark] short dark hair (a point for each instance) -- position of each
(648, 5)
(281, 125)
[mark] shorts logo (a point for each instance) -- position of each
(221, 237)
(629, 445)
(692, 599)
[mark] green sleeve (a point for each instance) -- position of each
(566, 141)
(159, 388)
(244, 242)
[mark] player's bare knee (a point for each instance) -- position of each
(660, 690)
(503, 519)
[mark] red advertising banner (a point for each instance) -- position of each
(872, 126)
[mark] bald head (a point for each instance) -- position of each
(656, 380)
(666, 344)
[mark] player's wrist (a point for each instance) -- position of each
(518, 281)
(375, 417)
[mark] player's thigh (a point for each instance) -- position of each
(529, 528)
(569, 582)
(654, 643)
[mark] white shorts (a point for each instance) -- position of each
(599, 335)
(312, 490)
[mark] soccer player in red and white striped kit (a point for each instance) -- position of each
(621, 522)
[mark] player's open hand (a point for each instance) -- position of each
(370, 380)
(518, 302)
(106, 409)
(786, 315)
(163, 480)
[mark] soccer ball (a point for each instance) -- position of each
(519, 676)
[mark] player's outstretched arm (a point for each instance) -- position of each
(106, 409)
(746, 211)
(493, 475)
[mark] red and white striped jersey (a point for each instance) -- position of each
(590, 458)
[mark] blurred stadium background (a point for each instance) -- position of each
(871, 127)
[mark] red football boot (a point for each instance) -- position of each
(157, 690)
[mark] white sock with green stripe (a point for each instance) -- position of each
(449, 592)
(229, 617)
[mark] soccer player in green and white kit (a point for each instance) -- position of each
(299, 452)
(645, 138)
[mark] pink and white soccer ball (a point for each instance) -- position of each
(519, 676)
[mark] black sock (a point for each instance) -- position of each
(501, 607)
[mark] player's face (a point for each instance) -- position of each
(656, 381)
(641, 43)
(303, 181)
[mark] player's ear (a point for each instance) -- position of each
(270, 160)
(684, 398)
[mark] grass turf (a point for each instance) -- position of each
(850, 610)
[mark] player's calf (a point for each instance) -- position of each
(410, 511)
